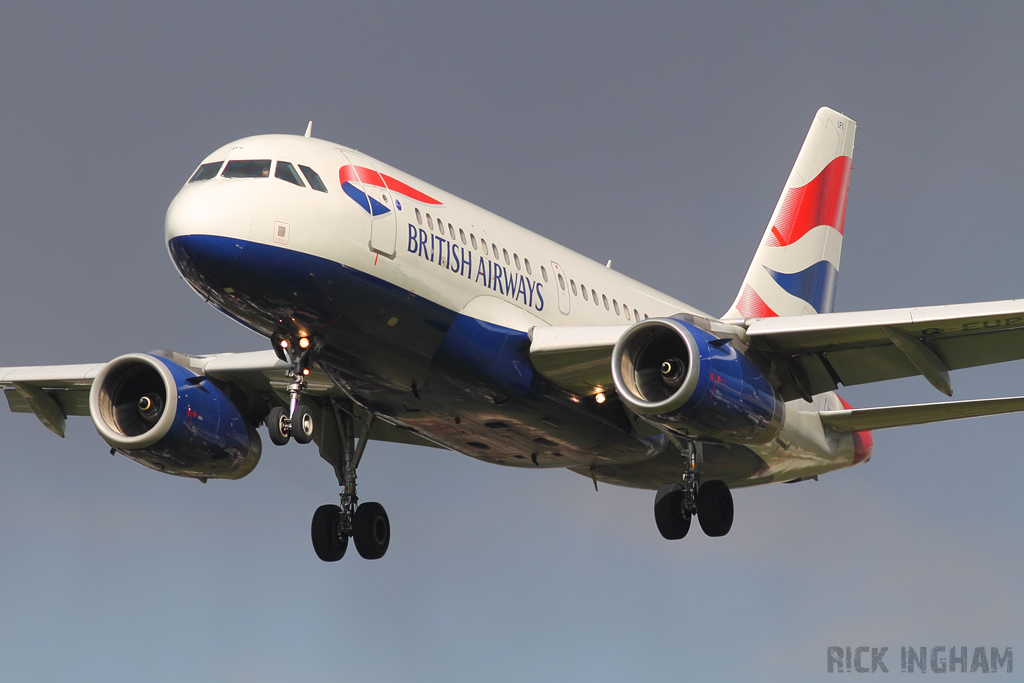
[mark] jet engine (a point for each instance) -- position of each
(688, 381)
(164, 416)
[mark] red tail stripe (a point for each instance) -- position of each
(820, 202)
(371, 177)
(751, 305)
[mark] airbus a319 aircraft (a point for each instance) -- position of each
(396, 311)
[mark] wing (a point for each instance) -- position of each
(818, 353)
(254, 381)
(811, 354)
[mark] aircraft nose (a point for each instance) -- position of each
(206, 208)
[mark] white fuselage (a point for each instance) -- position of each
(447, 251)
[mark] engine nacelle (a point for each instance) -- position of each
(685, 379)
(146, 408)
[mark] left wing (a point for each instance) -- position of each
(53, 392)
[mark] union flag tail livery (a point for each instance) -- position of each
(795, 268)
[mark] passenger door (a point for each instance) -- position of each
(372, 194)
(562, 285)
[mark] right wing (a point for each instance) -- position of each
(812, 354)
(818, 353)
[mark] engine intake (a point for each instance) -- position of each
(146, 409)
(685, 379)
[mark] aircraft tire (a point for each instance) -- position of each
(371, 530)
(302, 424)
(714, 508)
(328, 545)
(277, 426)
(673, 522)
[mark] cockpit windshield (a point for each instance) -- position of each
(248, 168)
(285, 171)
(313, 178)
(206, 171)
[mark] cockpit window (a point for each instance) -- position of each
(206, 171)
(248, 168)
(313, 178)
(286, 171)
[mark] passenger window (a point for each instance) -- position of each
(494, 247)
(286, 171)
(604, 298)
(440, 228)
(561, 281)
(419, 217)
(206, 171)
(615, 303)
(625, 309)
(249, 168)
(583, 291)
(483, 243)
(516, 256)
(529, 271)
(645, 316)
(593, 293)
(636, 315)
(544, 273)
(313, 179)
(572, 283)
(472, 238)
(451, 231)
(504, 252)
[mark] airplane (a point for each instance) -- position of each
(397, 312)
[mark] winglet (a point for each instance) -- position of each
(309, 129)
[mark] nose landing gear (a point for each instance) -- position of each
(297, 421)
(676, 503)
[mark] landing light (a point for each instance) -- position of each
(304, 342)
(284, 343)
(599, 398)
(305, 371)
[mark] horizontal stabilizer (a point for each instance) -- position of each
(861, 419)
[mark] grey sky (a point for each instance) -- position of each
(654, 134)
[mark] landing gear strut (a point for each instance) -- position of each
(676, 503)
(367, 524)
(297, 420)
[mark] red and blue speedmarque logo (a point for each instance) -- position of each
(353, 177)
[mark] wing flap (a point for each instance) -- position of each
(861, 419)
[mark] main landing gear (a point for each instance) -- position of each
(676, 503)
(367, 524)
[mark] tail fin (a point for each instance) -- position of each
(794, 270)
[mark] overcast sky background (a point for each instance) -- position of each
(656, 135)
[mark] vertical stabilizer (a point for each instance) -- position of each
(794, 270)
